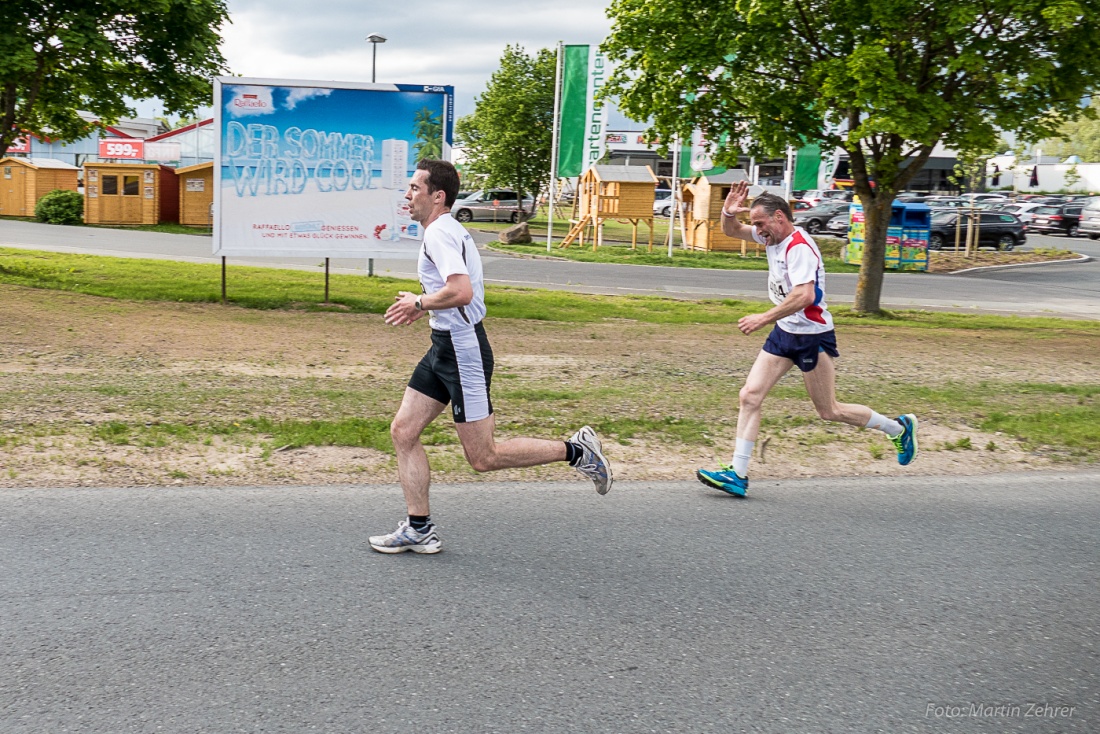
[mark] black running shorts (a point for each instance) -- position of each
(458, 369)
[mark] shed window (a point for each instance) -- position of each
(110, 185)
(131, 186)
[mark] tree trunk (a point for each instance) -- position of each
(876, 214)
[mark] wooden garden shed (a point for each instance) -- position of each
(23, 181)
(130, 193)
(623, 193)
(703, 200)
(196, 184)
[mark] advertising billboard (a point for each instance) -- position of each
(309, 168)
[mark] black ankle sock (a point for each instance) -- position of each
(419, 522)
(573, 453)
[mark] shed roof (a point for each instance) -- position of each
(733, 175)
(196, 167)
(43, 163)
(625, 174)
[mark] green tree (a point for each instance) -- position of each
(1077, 137)
(886, 81)
(428, 129)
(508, 136)
(60, 56)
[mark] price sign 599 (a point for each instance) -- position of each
(129, 148)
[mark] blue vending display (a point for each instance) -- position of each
(906, 236)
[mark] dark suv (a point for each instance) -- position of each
(1060, 218)
(1000, 230)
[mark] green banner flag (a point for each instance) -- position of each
(807, 162)
(583, 124)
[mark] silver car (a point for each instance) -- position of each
(490, 205)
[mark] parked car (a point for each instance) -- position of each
(1090, 218)
(983, 197)
(1057, 218)
(798, 205)
(1022, 210)
(662, 204)
(838, 226)
(1000, 230)
(816, 196)
(814, 219)
(946, 202)
(492, 205)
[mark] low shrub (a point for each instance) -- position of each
(60, 207)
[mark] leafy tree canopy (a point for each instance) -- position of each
(60, 56)
(1077, 137)
(886, 81)
(508, 137)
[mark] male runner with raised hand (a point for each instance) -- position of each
(803, 335)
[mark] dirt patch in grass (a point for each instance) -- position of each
(96, 392)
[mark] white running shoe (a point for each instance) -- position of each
(406, 538)
(594, 464)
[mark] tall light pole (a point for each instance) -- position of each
(375, 39)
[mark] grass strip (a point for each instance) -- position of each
(137, 279)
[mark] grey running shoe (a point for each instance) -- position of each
(594, 464)
(405, 538)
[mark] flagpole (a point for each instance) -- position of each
(554, 150)
(675, 185)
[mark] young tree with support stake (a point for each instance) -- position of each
(508, 137)
(60, 57)
(884, 81)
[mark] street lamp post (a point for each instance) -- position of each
(375, 39)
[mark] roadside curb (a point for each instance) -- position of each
(1078, 259)
(525, 256)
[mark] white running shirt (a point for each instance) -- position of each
(794, 261)
(448, 249)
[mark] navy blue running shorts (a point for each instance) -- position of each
(458, 369)
(802, 349)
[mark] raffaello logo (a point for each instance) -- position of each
(249, 100)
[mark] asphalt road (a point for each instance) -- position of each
(1071, 290)
(845, 605)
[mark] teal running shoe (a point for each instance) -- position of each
(906, 443)
(726, 479)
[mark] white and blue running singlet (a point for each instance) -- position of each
(795, 261)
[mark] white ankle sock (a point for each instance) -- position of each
(742, 453)
(887, 425)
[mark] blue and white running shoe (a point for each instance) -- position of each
(593, 464)
(906, 442)
(726, 479)
(406, 538)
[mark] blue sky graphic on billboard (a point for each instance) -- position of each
(323, 169)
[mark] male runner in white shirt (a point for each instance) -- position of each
(457, 369)
(803, 335)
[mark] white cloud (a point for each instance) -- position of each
(301, 94)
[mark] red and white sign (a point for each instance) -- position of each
(21, 145)
(131, 149)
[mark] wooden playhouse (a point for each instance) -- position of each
(130, 193)
(23, 181)
(623, 193)
(703, 201)
(196, 185)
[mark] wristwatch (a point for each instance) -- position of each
(419, 306)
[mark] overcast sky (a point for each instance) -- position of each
(429, 41)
